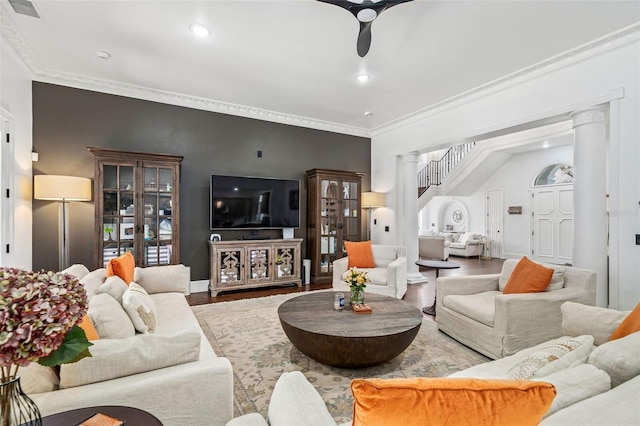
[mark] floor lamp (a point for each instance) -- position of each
(62, 189)
(371, 200)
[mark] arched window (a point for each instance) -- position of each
(555, 174)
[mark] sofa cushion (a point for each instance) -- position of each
(528, 277)
(576, 384)
(619, 406)
(479, 306)
(163, 279)
(467, 236)
(122, 266)
(557, 280)
(579, 319)
(552, 357)
(114, 286)
(360, 255)
(113, 358)
(458, 246)
(383, 255)
(93, 280)
(498, 368)
(620, 358)
(77, 270)
(36, 378)
(449, 401)
(140, 308)
(109, 318)
(630, 324)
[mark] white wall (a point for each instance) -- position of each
(556, 89)
(15, 98)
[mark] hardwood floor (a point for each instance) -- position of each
(419, 295)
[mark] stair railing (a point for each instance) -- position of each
(435, 171)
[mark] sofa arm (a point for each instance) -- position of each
(397, 276)
(164, 279)
(537, 314)
(200, 392)
(340, 266)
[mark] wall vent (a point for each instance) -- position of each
(24, 7)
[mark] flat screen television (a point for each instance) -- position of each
(239, 202)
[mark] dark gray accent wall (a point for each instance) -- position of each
(66, 121)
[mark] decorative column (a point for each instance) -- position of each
(590, 223)
(410, 204)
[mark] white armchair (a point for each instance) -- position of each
(433, 247)
(389, 277)
(467, 245)
(474, 311)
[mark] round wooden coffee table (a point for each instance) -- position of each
(344, 338)
(132, 416)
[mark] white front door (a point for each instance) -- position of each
(552, 224)
(493, 208)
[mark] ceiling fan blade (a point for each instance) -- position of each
(364, 39)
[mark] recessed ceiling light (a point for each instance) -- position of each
(368, 114)
(199, 30)
(545, 144)
(103, 54)
(363, 77)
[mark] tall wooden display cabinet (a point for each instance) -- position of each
(333, 217)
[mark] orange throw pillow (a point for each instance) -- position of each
(443, 401)
(629, 325)
(89, 330)
(122, 266)
(360, 255)
(528, 277)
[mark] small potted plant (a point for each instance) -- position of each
(108, 230)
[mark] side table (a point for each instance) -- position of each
(132, 416)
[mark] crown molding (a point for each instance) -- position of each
(593, 48)
(18, 42)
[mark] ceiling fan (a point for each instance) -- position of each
(365, 11)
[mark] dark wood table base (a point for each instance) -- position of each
(437, 265)
(344, 338)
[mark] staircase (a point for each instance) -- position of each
(435, 171)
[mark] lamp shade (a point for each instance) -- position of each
(61, 188)
(372, 199)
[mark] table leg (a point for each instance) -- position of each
(431, 310)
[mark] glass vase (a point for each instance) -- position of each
(16, 408)
(357, 295)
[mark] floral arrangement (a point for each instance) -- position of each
(357, 278)
(38, 316)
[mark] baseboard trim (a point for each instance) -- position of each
(199, 286)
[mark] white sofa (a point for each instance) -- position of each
(597, 382)
(388, 278)
(433, 247)
(474, 311)
(466, 244)
(173, 373)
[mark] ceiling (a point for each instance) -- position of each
(295, 61)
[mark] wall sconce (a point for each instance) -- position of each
(371, 200)
(62, 189)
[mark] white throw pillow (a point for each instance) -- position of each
(109, 318)
(119, 358)
(576, 384)
(113, 286)
(552, 358)
(466, 237)
(93, 280)
(620, 358)
(140, 308)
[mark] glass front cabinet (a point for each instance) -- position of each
(333, 217)
(136, 206)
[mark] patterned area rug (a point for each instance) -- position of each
(249, 334)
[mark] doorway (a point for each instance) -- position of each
(494, 220)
